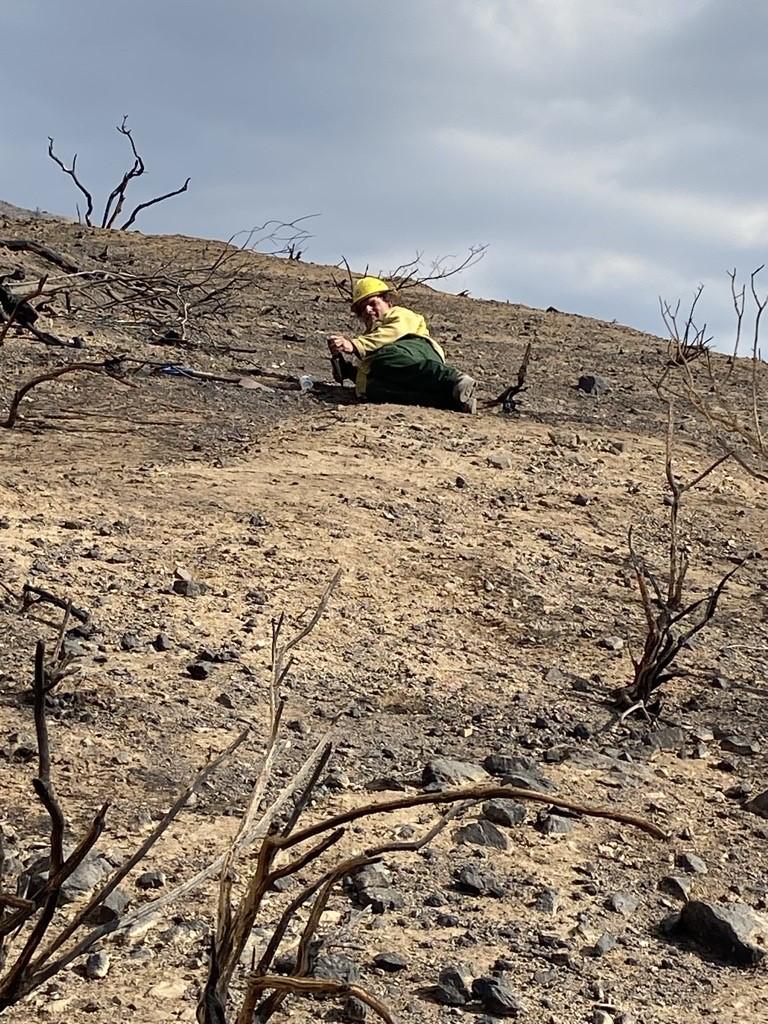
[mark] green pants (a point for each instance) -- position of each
(410, 372)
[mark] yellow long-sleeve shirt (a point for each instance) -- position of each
(396, 323)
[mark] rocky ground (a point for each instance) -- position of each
(485, 614)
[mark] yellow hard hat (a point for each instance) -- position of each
(366, 287)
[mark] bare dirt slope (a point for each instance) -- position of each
(485, 586)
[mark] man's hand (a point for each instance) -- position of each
(338, 343)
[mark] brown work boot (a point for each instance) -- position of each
(464, 393)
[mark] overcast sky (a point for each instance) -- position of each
(607, 151)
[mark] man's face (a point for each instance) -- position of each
(373, 309)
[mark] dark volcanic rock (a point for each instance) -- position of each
(758, 804)
(189, 588)
(555, 825)
(454, 985)
(677, 885)
(482, 833)
(732, 932)
(496, 997)
(522, 772)
(372, 887)
(110, 909)
(390, 962)
(504, 812)
(336, 965)
(592, 384)
(476, 882)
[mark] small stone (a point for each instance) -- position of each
(496, 997)
(169, 989)
(111, 908)
(602, 1017)
(189, 588)
(151, 880)
(454, 985)
(622, 903)
(225, 700)
(582, 500)
(504, 812)
(162, 642)
(336, 966)
(20, 746)
(547, 901)
(443, 772)
(690, 862)
(482, 833)
(97, 966)
(604, 944)
(477, 882)
(390, 962)
(555, 825)
(200, 669)
(669, 738)
(677, 885)
(612, 643)
(500, 461)
(460, 482)
(592, 384)
(355, 1010)
(372, 887)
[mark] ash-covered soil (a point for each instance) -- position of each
(487, 607)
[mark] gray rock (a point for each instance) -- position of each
(677, 885)
(739, 745)
(500, 461)
(482, 833)
(151, 880)
(200, 669)
(225, 700)
(604, 944)
(454, 985)
(110, 909)
(162, 642)
(442, 773)
(20, 746)
(758, 804)
(130, 642)
(669, 738)
(602, 1017)
(622, 903)
(336, 966)
(732, 932)
(390, 962)
(592, 384)
(504, 812)
(355, 1010)
(372, 887)
(496, 997)
(555, 825)
(93, 871)
(612, 643)
(189, 588)
(547, 901)
(476, 882)
(514, 770)
(97, 966)
(690, 862)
